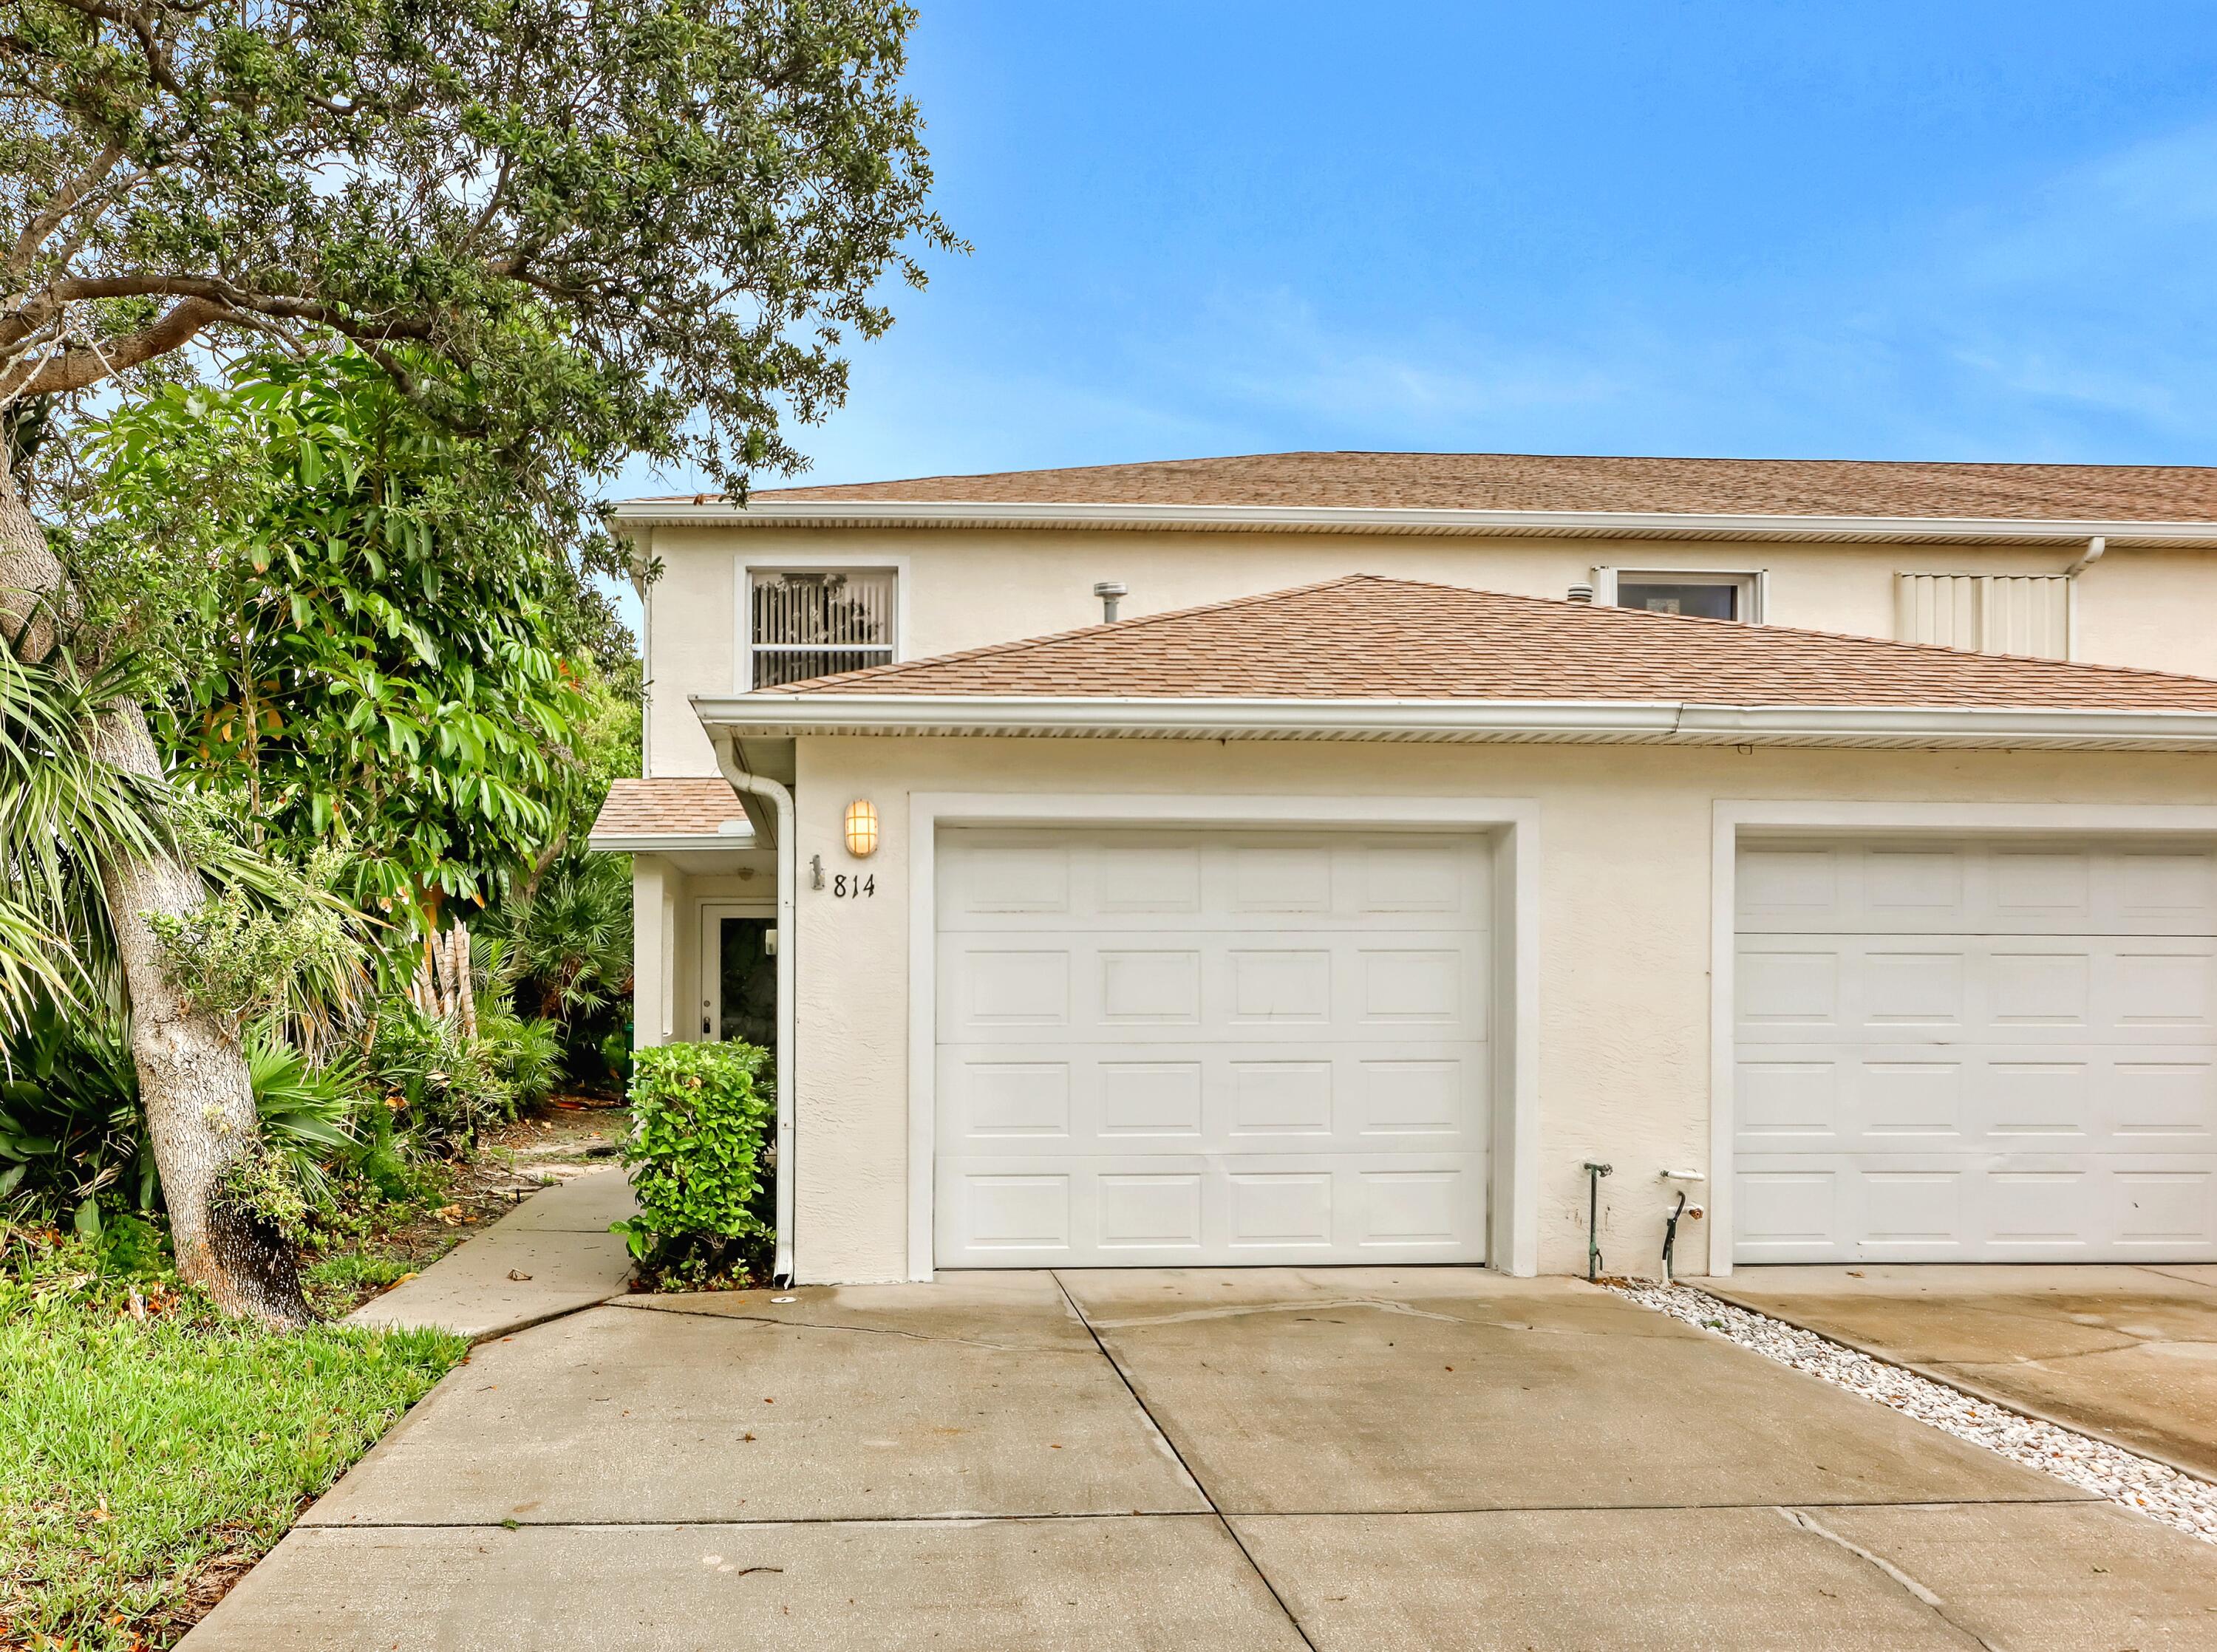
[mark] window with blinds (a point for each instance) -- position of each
(1987, 614)
(812, 623)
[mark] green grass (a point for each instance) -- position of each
(334, 1282)
(147, 1461)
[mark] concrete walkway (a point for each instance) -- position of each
(1253, 1461)
(552, 1255)
(2126, 1353)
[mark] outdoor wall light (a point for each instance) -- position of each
(862, 829)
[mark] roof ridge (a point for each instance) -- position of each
(1190, 460)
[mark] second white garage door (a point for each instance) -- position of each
(1159, 1047)
(1976, 1051)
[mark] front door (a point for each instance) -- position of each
(738, 976)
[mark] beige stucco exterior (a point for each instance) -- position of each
(1622, 887)
(964, 588)
(1624, 930)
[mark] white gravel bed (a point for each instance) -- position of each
(2139, 1483)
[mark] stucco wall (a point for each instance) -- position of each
(964, 589)
(1624, 932)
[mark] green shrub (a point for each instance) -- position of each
(450, 1088)
(310, 1115)
(526, 1054)
(615, 1055)
(72, 1138)
(700, 1115)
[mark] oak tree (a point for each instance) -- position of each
(569, 230)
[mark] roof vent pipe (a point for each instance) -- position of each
(1110, 592)
(1581, 593)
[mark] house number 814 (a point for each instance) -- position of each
(853, 885)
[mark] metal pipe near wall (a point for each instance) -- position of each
(1594, 1173)
(780, 800)
(1680, 1210)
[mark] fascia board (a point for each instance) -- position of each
(1596, 524)
(1646, 721)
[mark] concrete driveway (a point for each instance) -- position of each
(2127, 1353)
(1341, 1459)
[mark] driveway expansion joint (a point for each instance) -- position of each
(863, 1330)
(1185, 1468)
(961, 1517)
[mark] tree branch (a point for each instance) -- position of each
(81, 366)
(35, 309)
(157, 61)
(64, 203)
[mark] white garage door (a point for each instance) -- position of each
(1976, 1051)
(1184, 1047)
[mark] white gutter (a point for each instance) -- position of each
(671, 843)
(2097, 548)
(1683, 721)
(780, 800)
(764, 513)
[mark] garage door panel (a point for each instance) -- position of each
(1976, 1051)
(1271, 1210)
(1053, 986)
(1211, 1046)
(2065, 989)
(2121, 1097)
(986, 989)
(1793, 886)
(2021, 1207)
(1014, 881)
(1429, 1097)
(2163, 1208)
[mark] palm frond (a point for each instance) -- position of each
(65, 811)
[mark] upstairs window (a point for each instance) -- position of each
(1697, 595)
(810, 623)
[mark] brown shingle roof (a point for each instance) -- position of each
(1368, 637)
(668, 806)
(1528, 482)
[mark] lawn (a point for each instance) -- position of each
(151, 1451)
(150, 1461)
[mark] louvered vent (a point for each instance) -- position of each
(1987, 614)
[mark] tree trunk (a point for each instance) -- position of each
(193, 1079)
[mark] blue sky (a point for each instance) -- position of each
(1933, 230)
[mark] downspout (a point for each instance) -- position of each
(780, 800)
(638, 564)
(2095, 548)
